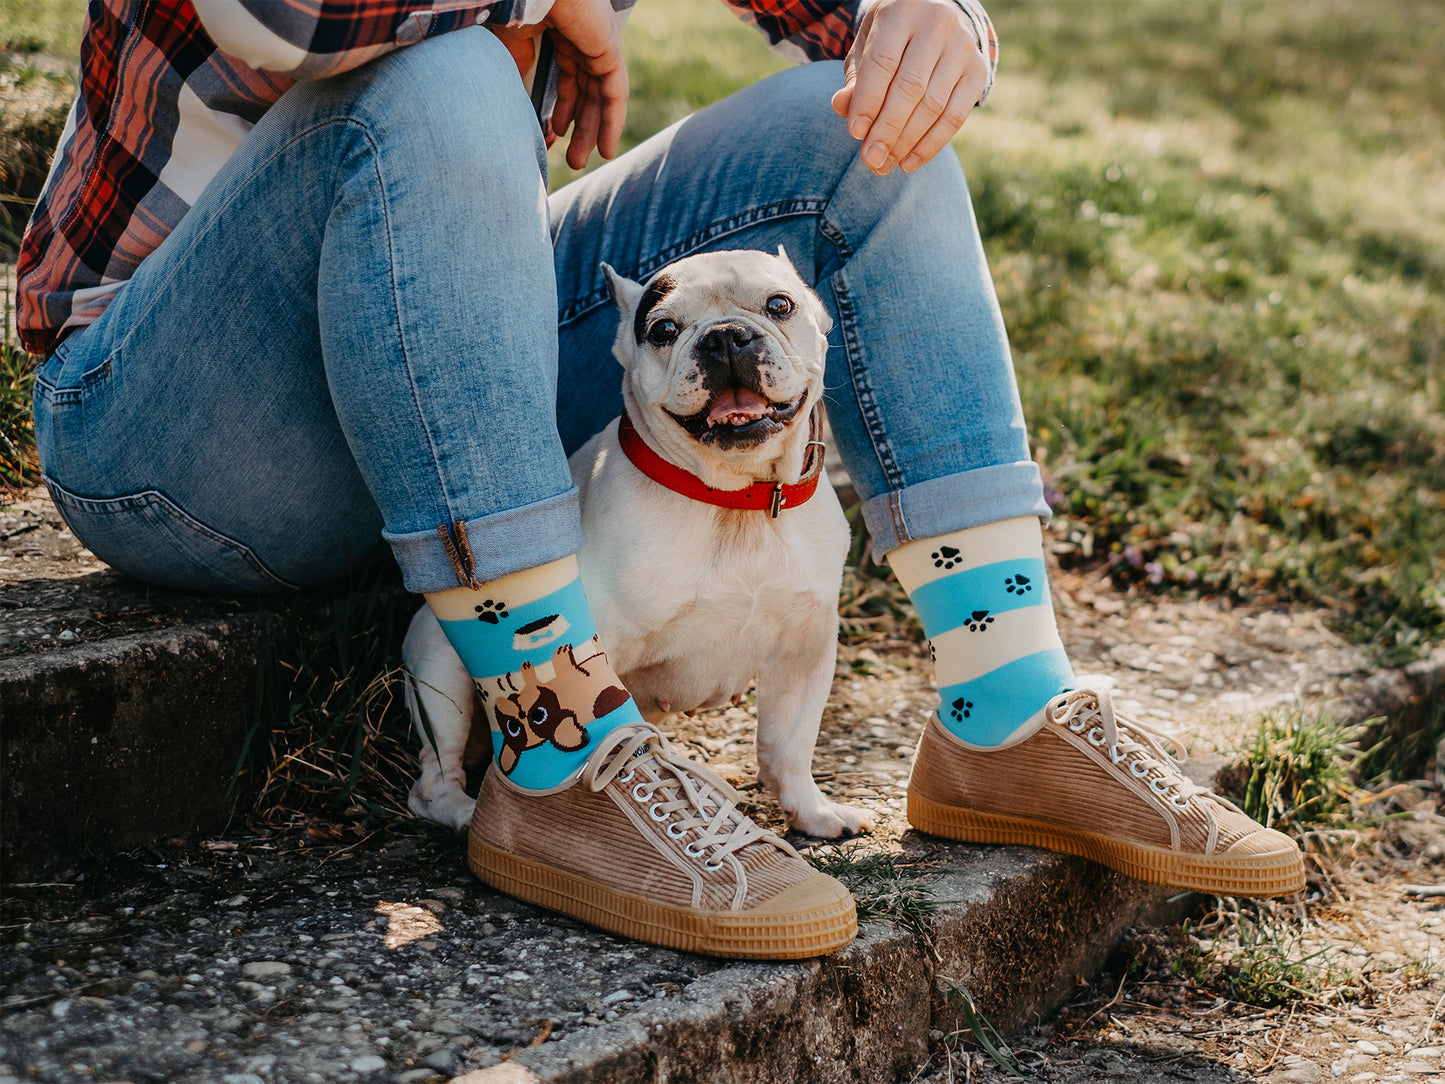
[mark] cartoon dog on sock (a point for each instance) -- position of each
(559, 711)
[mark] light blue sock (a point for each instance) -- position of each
(982, 595)
(547, 687)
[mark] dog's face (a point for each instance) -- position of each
(724, 350)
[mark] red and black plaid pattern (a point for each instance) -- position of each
(106, 205)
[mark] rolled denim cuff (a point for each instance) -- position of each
(471, 552)
(940, 505)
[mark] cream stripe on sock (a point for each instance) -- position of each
(914, 562)
(963, 654)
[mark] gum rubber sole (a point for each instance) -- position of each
(1280, 873)
(812, 918)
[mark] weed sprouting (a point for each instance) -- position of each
(328, 732)
(1296, 773)
(884, 885)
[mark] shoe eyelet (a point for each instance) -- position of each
(692, 850)
(652, 812)
(1179, 802)
(1099, 741)
(1138, 769)
(676, 831)
(1077, 726)
(626, 777)
(641, 793)
(712, 867)
(1159, 786)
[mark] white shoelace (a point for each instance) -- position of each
(678, 792)
(1091, 713)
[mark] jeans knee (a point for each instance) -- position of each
(454, 103)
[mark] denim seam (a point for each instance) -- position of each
(867, 401)
(795, 208)
(149, 497)
(463, 574)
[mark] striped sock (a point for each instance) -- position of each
(529, 642)
(983, 597)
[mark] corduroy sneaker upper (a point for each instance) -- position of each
(651, 845)
(1092, 783)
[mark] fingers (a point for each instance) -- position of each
(592, 86)
(910, 81)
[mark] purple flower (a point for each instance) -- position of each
(1156, 572)
(1134, 555)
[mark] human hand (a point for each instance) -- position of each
(592, 83)
(912, 77)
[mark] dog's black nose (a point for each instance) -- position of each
(725, 340)
(731, 355)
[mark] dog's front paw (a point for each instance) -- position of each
(452, 807)
(829, 820)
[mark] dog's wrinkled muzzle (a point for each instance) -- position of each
(730, 359)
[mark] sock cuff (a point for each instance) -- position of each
(500, 638)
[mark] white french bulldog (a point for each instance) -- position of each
(723, 356)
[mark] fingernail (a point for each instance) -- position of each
(875, 154)
(857, 127)
(909, 164)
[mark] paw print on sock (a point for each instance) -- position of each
(1017, 584)
(932, 652)
(979, 621)
(946, 557)
(960, 709)
(491, 612)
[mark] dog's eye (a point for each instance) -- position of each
(662, 332)
(538, 715)
(780, 306)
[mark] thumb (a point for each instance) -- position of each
(842, 97)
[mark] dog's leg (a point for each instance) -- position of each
(792, 692)
(442, 699)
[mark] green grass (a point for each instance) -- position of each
(42, 26)
(1219, 239)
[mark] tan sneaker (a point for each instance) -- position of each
(1092, 783)
(651, 845)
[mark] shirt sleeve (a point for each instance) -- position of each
(312, 39)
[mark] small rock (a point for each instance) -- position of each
(1364, 1046)
(266, 969)
(1296, 1071)
(368, 1063)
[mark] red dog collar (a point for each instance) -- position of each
(770, 497)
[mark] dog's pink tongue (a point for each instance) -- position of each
(737, 401)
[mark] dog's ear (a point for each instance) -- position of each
(783, 255)
(624, 292)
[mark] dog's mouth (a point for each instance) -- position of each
(738, 418)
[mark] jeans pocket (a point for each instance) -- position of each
(149, 536)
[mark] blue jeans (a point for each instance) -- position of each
(354, 334)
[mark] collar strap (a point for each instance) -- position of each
(770, 497)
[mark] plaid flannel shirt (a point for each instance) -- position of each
(168, 91)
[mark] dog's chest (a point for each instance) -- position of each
(703, 629)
